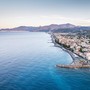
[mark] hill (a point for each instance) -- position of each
(53, 27)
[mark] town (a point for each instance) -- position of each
(76, 43)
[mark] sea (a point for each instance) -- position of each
(28, 62)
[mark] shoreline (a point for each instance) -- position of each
(69, 52)
(77, 60)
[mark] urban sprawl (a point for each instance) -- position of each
(80, 45)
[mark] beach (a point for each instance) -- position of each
(78, 61)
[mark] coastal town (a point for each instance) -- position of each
(79, 45)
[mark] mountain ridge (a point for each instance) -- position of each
(51, 27)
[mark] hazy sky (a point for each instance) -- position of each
(43, 12)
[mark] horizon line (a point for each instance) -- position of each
(42, 25)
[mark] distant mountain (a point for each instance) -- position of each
(53, 27)
(26, 28)
(56, 26)
(68, 25)
(20, 28)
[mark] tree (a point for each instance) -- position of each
(81, 50)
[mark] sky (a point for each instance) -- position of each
(15, 13)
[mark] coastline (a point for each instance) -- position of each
(77, 60)
(74, 56)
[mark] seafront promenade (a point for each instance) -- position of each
(78, 62)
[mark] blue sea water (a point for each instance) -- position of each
(27, 62)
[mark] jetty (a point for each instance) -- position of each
(73, 66)
(78, 62)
